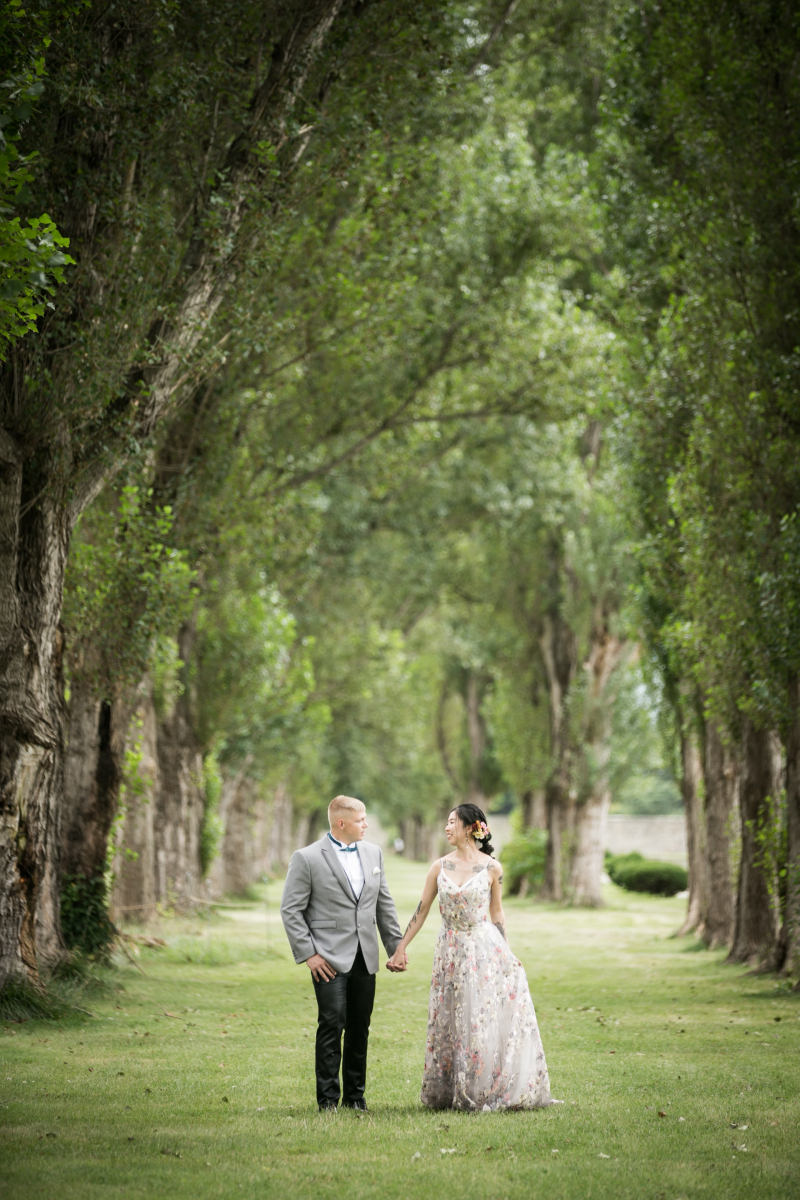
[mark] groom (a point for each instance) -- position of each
(334, 896)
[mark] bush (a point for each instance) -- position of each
(644, 875)
(616, 862)
(523, 860)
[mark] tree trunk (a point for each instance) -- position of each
(587, 864)
(756, 925)
(236, 843)
(280, 838)
(92, 779)
(560, 809)
(476, 732)
(605, 654)
(790, 934)
(691, 778)
(34, 539)
(722, 794)
(134, 895)
(559, 651)
(178, 814)
(534, 809)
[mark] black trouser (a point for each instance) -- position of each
(344, 1006)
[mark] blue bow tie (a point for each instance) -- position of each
(353, 849)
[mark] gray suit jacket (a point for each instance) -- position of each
(321, 915)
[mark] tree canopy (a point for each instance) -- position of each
(400, 400)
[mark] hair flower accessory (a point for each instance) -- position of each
(480, 831)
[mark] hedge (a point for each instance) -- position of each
(638, 874)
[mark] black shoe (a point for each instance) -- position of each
(328, 1106)
(359, 1104)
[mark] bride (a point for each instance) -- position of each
(483, 1050)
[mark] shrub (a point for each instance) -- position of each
(616, 862)
(655, 878)
(523, 860)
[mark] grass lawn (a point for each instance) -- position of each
(197, 1080)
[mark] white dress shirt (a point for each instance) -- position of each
(351, 861)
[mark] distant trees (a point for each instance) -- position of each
(170, 148)
(422, 369)
(700, 169)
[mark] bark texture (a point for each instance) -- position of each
(34, 540)
(691, 779)
(92, 778)
(756, 925)
(790, 934)
(722, 821)
(134, 894)
(178, 815)
(590, 838)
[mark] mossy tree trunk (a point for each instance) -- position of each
(34, 540)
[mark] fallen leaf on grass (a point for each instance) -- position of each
(225, 1100)
(661, 1112)
(487, 1149)
(415, 1155)
(171, 1153)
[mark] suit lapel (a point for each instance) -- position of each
(331, 856)
(368, 867)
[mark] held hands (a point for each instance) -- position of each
(398, 962)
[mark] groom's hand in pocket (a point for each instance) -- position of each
(321, 971)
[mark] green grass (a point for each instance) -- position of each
(218, 1100)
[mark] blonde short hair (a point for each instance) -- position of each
(341, 805)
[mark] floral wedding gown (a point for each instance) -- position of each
(484, 1051)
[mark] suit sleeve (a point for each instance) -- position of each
(386, 916)
(294, 902)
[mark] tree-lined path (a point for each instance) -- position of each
(197, 1080)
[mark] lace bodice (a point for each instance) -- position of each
(464, 907)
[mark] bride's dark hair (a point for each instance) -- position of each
(468, 814)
